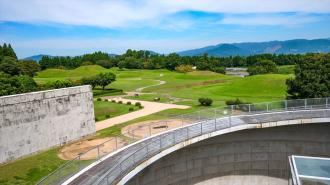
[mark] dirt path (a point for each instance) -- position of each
(149, 108)
(71, 151)
(147, 128)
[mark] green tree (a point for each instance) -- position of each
(60, 84)
(8, 84)
(104, 79)
(8, 51)
(312, 78)
(9, 65)
(27, 84)
(29, 67)
(92, 80)
(262, 67)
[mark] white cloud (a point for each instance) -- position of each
(120, 13)
(269, 19)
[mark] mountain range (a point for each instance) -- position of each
(297, 46)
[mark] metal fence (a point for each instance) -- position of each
(186, 126)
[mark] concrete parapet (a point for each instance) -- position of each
(39, 120)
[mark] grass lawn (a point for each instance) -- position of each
(31, 169)
(286, 69)
(103, 108)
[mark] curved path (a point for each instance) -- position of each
(148, 108)
(120, 166)
(161, 82)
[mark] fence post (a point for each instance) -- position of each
(201, 128)
(267, 107)
(149, 129)
(249, 108)
(173, 137)
(305, 103)
(98, 151)
(231, 112)
(326, 102)
(79, 162)
(286, 104)
(116, 143)
(181, 120)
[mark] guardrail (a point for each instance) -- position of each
(200, 122)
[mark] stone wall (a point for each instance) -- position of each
(249, 157)
(36, 121)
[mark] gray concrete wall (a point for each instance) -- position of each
(37, 121)
(257, 156)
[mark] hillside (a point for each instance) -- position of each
(297, 46)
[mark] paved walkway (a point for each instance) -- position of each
(149, 108)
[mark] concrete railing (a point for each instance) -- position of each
(114, 166)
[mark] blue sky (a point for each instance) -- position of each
(76, 27)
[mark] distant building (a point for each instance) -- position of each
(237, 71)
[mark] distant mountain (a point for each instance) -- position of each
(36, 57)
(297, 46)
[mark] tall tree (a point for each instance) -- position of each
(312, 78)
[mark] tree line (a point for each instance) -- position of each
(142, 59)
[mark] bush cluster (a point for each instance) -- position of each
(131, 109)
(237, 101)
(99, 99)
(129, 103)
(138, 104)
(205, 101)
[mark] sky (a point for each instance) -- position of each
(75, 27)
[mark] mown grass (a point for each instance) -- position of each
(103, 108)
(30, 169)
(286, 69)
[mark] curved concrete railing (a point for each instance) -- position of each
(120, 166)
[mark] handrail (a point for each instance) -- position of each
(189, 119)
(146, 145)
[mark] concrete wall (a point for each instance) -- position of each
(37, 121)
(257, 156)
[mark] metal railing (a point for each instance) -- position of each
(186, 126)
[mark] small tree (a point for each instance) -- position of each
(92, 80)
(104, 79)
(29, 67)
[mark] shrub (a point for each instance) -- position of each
(141, 107)
(129, 103)
(205, 101)
(137, 104)
(120, 102)
(105, 100)
(60, 84)
(96, 119)
(131, 109)
(113, 101)
(237, 101)
(184, 68)
(107, 116)
(99, 99)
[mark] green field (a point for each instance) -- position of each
(179, 88)
(31, 169)
(188, 87)
(103, 108)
